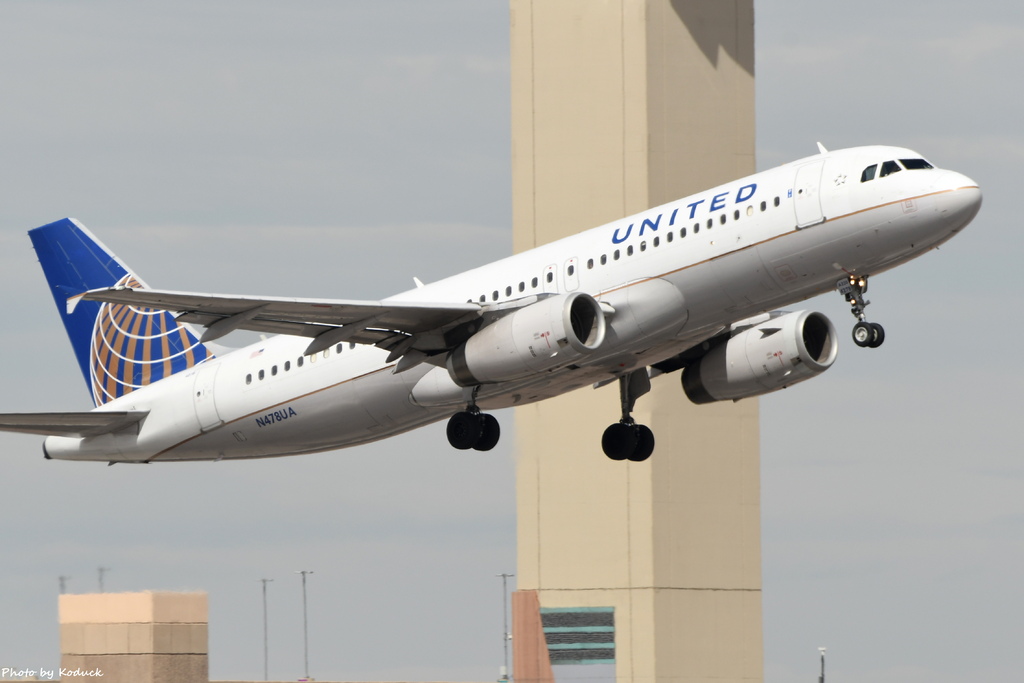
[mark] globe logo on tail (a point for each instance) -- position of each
(132, 347)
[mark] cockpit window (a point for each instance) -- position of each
(915, 164)
(869, 173)
(888, 168)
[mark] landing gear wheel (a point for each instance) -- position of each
(878, 337)
(628, 441)
(863, 334)
(465, 430)
(619, 440)
(490, 432)
(644, 444)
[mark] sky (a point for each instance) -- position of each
(337, 149)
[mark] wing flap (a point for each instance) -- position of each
(432, 327)
(313, 315)
(78, 425)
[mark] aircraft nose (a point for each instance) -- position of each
(959, 199)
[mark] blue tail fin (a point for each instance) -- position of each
(119, 348)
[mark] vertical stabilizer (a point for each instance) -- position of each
(119, 348)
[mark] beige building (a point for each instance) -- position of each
(649, 570)
(149, 637)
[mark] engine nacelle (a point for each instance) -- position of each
(772, 355)
(549, 334)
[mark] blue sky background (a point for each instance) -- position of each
(338, 149)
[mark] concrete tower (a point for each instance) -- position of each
(651, 570)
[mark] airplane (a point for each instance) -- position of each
(695, 285)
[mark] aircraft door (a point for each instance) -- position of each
(807, 194)
(551, 279)
(202, 392)
(572, 274)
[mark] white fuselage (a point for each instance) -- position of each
(753, 245)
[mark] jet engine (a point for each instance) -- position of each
(549, 334)
(771, 355)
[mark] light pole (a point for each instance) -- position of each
(100, 571)
(305, 621)
(821, 678)
(265, 657)
(505, 635)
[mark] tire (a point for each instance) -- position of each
(619, 441)
(878, 337)
(490, 432)
(464, 430)
(863, 334)
(644, 444)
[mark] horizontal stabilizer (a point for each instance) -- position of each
(91, 423)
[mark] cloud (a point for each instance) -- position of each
(971, 44)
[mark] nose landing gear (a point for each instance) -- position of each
(865, 334)
(627, 440)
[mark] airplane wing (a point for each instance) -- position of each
(398, 326)
(70, 424)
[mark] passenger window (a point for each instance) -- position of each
(590, 264)
(776, 201)
(764, 206)
(615, 255)
(508, 291)
(696, 228)
(735, 215)
(494, 295)
(750, 211)
(248, 378)
(287, 365)
(522, 286)
(261, 375)
(643, 245)
(298, 362)
(669, 236)
(571, 270)
(682, 232)
(551, 277)
(338, 348)
(711, 222)
(657, 241)
(869, 173)
(604, 259)
(351, 345)
(483, 298)
(273, 370)
(722, 218)
(629, 250)
(534, 282)
(326, 353)
(888, 168)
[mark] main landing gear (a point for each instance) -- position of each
(866, 334)
(627, 440)
(473, 429)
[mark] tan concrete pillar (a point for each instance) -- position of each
(619, 105)
(151, 637)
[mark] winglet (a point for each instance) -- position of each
(821, 148)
